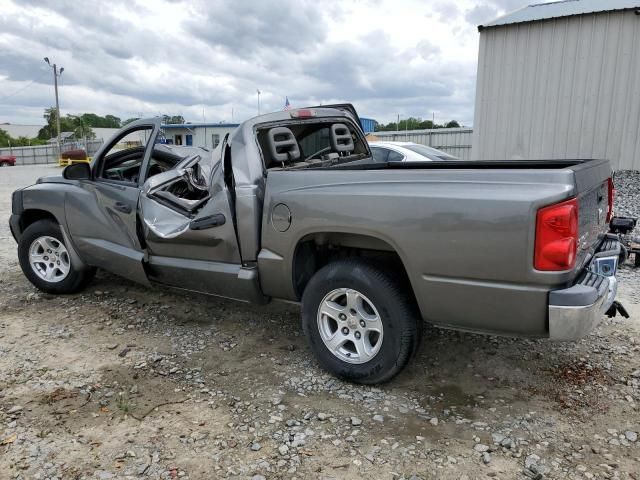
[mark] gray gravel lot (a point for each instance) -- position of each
(127, 382)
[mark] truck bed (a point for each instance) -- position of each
(465, 231)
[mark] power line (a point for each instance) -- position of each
(4, 97)
(17, 91)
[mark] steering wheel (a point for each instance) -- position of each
(322, 150)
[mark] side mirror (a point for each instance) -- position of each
(77, 171)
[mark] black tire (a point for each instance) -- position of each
(392, 297)
(76, 280)
(637, 259)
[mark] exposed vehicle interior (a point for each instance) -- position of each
(311, 144)
(123, 159)
(124, 165)
(187, 190)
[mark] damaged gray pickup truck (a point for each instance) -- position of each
(292, 206)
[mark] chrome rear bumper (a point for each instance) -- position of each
(576, 311)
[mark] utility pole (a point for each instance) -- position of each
(56, 74)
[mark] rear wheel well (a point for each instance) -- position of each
(317, 250)
(31, 216)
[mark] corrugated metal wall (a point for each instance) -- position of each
(455, 141)
(368, 124)
(561, 88)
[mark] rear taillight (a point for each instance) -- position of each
(612, 195)
(556, 236)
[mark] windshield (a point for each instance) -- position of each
(429, 152)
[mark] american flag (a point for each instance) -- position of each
(287, 105)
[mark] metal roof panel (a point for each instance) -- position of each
(563, 8)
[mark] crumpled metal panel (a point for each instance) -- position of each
(162, 221)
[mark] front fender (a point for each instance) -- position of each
(43, 200)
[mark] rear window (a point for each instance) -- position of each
(314, 143)
(380, 155)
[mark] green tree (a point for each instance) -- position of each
(112, 121)
(172, 119)
(21, 142)
(82, 128)
(50, 129)
(96, 121)
(413, 123)
(5, 139)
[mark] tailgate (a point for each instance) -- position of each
(592, 191)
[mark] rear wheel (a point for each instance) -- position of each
(4, 164)
(46, 262)
(361, 323)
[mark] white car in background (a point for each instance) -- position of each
(407, 152)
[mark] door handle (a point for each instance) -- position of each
(122, 207)
(208, 222)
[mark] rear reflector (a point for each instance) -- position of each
(303, 113)
(611, 194)
(556, 236)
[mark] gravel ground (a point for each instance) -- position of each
(627, 202)
(127, 382)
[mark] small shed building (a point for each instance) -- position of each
(560, 80)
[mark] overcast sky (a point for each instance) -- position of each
(130, 58)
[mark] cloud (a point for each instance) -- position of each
(481, 14)
(247, 28)
(446, 11)
(131, 58)
(485, 11)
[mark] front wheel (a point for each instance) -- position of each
(46, 262)
(361, 322)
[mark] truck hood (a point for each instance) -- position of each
(53, 179)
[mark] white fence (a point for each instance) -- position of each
(455, 141)
(46, 153)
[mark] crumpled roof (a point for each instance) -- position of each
(565, 8)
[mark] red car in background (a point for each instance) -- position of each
(7, 161)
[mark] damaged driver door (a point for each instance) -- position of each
(102, 212)
(189, 230)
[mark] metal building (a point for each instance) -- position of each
(561, 80)
(208, 135)
(368, 124)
